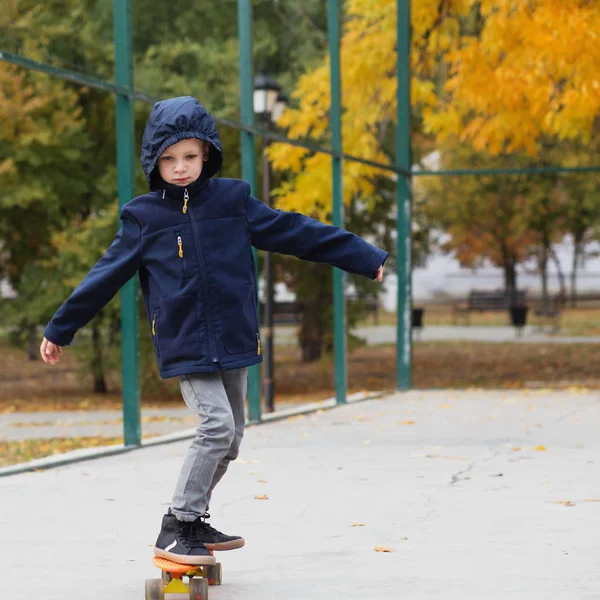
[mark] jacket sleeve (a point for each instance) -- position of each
(296, 234)
(119, 264)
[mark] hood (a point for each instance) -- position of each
(172, 121)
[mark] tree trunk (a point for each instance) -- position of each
(32, 345)
(510, 281)
(317, 300)
(561, 275)
(97, 363)
(577, 252)
(543, 267)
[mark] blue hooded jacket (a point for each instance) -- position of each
(192, 248)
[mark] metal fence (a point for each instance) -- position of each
(126, 96)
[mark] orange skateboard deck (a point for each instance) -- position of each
(199, 577)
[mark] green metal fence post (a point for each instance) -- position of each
(125, 177)
(403, 201)
(335, 120)
(248, 163)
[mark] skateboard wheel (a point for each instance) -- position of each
(214, 574)
(198, 588)
(154, 589)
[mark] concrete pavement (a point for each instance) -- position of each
(481, 495)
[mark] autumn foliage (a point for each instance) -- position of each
(500, 75)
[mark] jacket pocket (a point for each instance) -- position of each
(176, 331)
(153, 330)
(238, 317)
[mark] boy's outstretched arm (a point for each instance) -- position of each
(119, 264)
(309, 239)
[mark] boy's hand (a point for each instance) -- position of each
(50, 352)
(380, 273)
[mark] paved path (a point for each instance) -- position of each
(386, 334)
(103, 423)
(482, 495)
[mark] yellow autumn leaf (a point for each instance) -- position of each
(540, 448)
(261, 497)
(383, 549)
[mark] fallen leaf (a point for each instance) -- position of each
(592, 500)
(540, 448)
(516, 448)
(405, 422)
(565, 502)
(361, 418)
(262, 481)
(382, 549)
(357, 525)
(261, 497)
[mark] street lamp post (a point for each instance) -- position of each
(269, 103)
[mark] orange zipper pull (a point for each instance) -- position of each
(180, 244)
(154, 324)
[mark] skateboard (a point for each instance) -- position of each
(199, 577)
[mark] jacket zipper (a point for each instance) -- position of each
(181, 254)
(186, 197)
(205, 281)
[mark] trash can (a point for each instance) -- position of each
(518, 317)
(417, 317)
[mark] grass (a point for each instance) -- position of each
(32, 386)
(15, 452)
(573, 321)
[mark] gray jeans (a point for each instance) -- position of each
(218, 399)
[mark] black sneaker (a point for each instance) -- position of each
(213, 539)
(177, 541)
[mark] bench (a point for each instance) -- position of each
(290, 313)
(551, 312)
(587, 300)
(480, 301)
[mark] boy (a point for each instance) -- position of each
(190, 239)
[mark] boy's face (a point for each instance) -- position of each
(181, 163)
